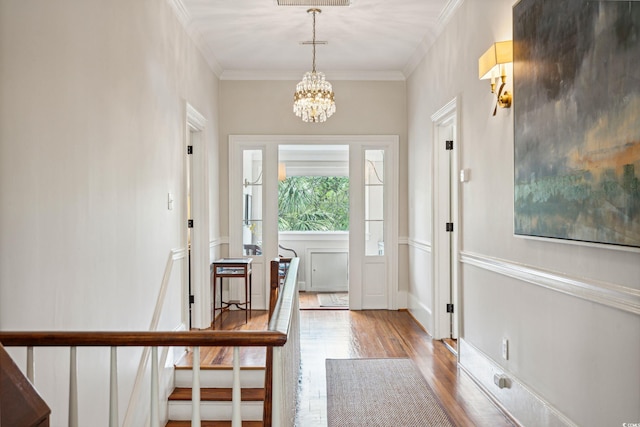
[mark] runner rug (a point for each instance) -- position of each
(380, 392)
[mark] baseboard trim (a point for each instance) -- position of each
(420, 312)
(608, 294)
(523, 406)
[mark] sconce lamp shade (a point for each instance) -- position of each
(489, 63)
(282, 171)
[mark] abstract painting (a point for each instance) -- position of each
(577, 120)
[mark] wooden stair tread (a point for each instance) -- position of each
(218, 394)
(213, 424)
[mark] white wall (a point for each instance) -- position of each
(577, 350)
(92, 125)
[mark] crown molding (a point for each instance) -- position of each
(443, 19)
(297, 75)
(181, 12)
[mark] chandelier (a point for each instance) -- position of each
(313, 100)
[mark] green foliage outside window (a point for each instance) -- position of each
(313, 203)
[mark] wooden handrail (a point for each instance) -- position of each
(143, 339)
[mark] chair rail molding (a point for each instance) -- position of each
(608, 294)
(423, 245)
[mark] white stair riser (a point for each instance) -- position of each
(215, 411)
(220, 378)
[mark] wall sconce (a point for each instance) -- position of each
(492, 65)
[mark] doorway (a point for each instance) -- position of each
(195, 224)
(446, 224)
(372, 277)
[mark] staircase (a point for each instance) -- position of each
(215, 396)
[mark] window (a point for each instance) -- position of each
(374, 202)
(252, 200)
(313, 203)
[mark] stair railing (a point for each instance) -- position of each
(281, 337)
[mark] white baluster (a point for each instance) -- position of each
(30, 364)
(195, 389)
(155, 394)
(73, 388)
(236, 396)
(277, 387)
(113, 389)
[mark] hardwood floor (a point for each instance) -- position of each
(358, 334)
(310, 301)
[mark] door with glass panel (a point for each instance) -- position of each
(251, 213)
(373, 237)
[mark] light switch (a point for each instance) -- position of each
(465, 175)
(170, 201)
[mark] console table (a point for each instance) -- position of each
(231, 268)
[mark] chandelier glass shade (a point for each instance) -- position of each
(314, 99)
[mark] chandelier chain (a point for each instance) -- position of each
(314, 41)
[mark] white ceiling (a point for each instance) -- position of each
(371, 39)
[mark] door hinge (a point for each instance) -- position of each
(449, 228)
(448, 145)
(190, 223)
(189, 149)
(449, 308)
(192, 299)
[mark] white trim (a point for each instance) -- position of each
(296, 76)
(415, 306)
(313, 235)
(518, 401)
(194, 119)
(441, 116)
(195, 130)
(608, 294)
(184, 17)
(425, 45)
(445, 186)
(311, 139)
(219, 241)
(449, 10)
(403, 240)
(420, 245)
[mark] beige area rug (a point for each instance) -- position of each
(333, 299)
(380, 392)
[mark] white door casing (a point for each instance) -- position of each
(194, 135)
(446, 210)
(376, 294)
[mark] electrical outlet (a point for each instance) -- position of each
(505, 349)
